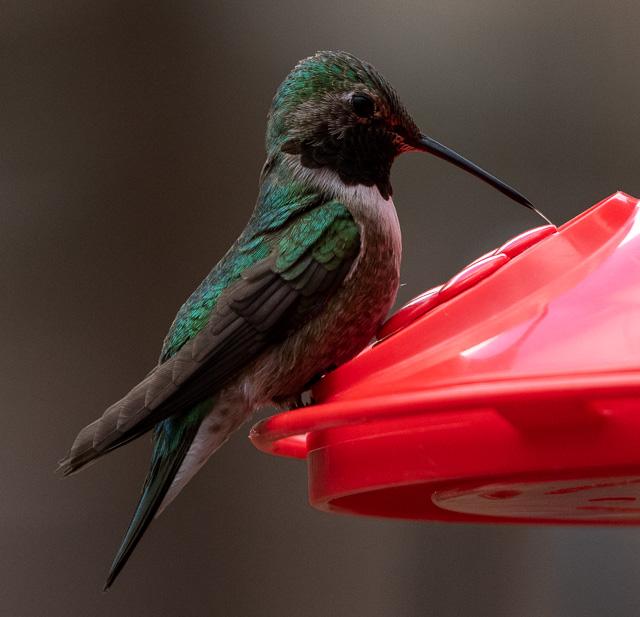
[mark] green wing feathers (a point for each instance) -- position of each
(284, 280)
(280, 288)
(339, 244)
(325, 231)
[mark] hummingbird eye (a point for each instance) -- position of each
(363, 105)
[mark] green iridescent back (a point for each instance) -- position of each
(281, 197)
(280, 200)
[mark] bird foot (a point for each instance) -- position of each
(304, 399)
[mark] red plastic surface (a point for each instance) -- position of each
(514, 396)
(466, 278)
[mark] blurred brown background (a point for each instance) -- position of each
(131, 138)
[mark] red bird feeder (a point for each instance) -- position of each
(509, 394)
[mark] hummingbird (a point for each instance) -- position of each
(302, 290)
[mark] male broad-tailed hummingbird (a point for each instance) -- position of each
(303, 288)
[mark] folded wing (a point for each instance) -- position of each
(309, 259)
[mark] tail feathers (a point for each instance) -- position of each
(173, 438)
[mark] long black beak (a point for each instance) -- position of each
(426, 144)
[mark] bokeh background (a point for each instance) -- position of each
(131, 138)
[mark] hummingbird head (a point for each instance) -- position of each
(337, 112)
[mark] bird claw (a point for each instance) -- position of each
(304, 399)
